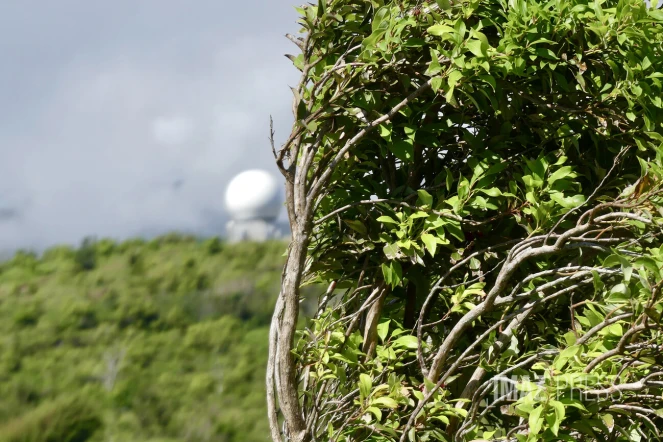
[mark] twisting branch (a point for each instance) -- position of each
(438, 285)
(564, 217)
(620, 388)
(300, 203)
(621, 347)
(508, 269)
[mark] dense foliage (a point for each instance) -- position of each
(480, 181)
(161, 340)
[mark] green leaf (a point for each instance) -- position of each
(453, 227)
(477, 47)
(575, 403)
(419, 214)
(554, 420)
(619, 294)
(490, 80)
(365, 385)
(656, 14)
(612, 261)
(397, 273)
(412, 434)
(545, 53)
(449, 96)
(570, 337)
(407, 341)
(375, 412)
(535, 420)
(442, 418)
(356, 226)
(562, 172)
(653, 314)
(386, 272)
(581, 80)
(383, 330)
(392, 273)
(381, 18)
(449, 179)
(494, 192)
(567, 202)
(385, 131)
(443, 4)
(302, 111)
(386, 402)
(391, 251)
(403, 149)
(454, 78)
(430, 242)
(436, 83)
(387, 220)
(565, 355)
(434, 66)
(440, 30)
(312, 126)
(425, 198)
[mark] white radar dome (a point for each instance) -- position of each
(254, 194)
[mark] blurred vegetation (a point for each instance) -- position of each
(162, 340)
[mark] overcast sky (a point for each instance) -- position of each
(124, 117)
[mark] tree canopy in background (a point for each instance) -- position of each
(161, 340)
(479, 184)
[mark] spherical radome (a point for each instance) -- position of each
(254, 194)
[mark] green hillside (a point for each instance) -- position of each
(162, 340)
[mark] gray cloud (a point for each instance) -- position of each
(126, 117)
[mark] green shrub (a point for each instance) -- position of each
(67, 419)
(164, 343)
(86, 255)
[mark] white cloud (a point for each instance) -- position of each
(172, 131)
